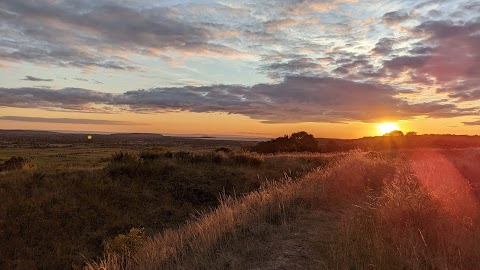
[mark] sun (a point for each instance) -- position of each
(387, 127)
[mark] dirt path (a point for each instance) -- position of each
(300, 244)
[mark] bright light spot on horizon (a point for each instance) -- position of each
(89, 137)
(387, 127)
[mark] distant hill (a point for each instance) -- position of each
(304, 142)
(34, 138)
(400, 142)
(38, 137)
(26, 132)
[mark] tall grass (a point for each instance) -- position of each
(390, 216)
(410, 224)
(191, 245)
(56, 217)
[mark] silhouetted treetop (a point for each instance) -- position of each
(297, 142)
(395, 133)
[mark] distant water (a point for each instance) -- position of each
(253, 139)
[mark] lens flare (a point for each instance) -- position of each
(387, 127)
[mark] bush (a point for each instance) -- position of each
(14, 163)
(149, 155)
(247, 160)
(297, 142)
(223, 149)
(123, 157)
(124, 244)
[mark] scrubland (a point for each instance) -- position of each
(176, 209)
(391, 210)
(57, 214)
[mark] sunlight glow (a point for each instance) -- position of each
(387, 127)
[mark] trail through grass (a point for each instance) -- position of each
(411, 210)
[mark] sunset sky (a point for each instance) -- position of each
(244, 68)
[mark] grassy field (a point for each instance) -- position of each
(76, 206)
(392, 210)
(68, 205)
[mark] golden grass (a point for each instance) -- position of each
(190, 244)
(425, 218)
(398, 212)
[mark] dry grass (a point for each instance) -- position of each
(425, 218)
(412, 211)
(58, 218)
(189, 246)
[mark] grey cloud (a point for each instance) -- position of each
(471, 6)
(463, 95)
(35, 79)
(434, 13)
(450, 53)
(402, 62)
(48, 32)
(66, 120)
(297, 66)
(428, 3)
(384, 46)
(473, 123)
(68, 98)
(421, 48)
(296, 99)
(395, 17)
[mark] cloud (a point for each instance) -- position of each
(66, 121)
(295, 99)
(473, 123)
(395, 17)
(90, 34)
(35, 79)
(67, 98)
(448, 54)
(384, 46)
(298, 65)
(302, 7)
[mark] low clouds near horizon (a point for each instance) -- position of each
(66, 120)
(296, 99)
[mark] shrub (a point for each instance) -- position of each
(14, 163)
(247, 160)
(149, 155)
(123, 157)
(297, 142)
(124, 244)
(184, 156)
(223, 149)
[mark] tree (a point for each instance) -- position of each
(303, 142)
(297, 142)
(411, 133)
(395, 133)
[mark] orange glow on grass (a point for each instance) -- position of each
(445, 184)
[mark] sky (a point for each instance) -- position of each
(247, 68)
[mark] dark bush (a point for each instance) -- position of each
(194, 194)
(14, 163)
(124, 244)
(184, 156)
(123, 157)
(247, 160)
(223, 149)
(149, 155)
(297, 142)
